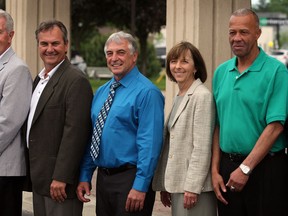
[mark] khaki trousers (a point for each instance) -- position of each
(206, 205)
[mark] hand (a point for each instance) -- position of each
(237, 180)
(82, 190)
(218, 186)
(190, 199)
(57, 191)
(135, 201)
(165, 198)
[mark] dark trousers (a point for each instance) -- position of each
(112, 191)
(11, 195)
(266, 192)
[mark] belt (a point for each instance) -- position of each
(281, 152)
(237, 158)
(240, 157)
(113, 171)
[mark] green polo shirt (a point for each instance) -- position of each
(247, 102)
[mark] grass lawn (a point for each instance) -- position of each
(158, 81)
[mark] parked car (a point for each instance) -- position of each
(281, 55)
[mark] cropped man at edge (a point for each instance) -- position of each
(15, 96)
(131, 137)
(249, 164)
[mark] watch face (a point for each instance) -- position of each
(245, 169)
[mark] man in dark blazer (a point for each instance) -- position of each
(15, 95)
(58, 125)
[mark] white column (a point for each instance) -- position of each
(204, 23)
(27, 15)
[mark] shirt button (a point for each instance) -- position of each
(170, 156)
(237, 77)
(171, 136)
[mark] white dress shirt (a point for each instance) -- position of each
(36, 96)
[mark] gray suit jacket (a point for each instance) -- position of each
(184, 164)
(60, 130)
(15, 96)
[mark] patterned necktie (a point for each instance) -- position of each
(99, 124)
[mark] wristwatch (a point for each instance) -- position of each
(245, 169)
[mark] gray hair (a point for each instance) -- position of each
(247, 11)
(118, 36)
(50, 24)
(9, 20)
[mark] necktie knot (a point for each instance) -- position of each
(115, 85)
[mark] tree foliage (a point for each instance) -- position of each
(272, 6)
(275, 6)
(147, 16)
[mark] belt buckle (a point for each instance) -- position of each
(236, 158)
(231, 157)
(272, 154)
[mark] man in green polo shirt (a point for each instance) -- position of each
(249, 164)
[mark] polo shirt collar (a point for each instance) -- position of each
(256, 65)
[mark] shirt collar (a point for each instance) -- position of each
(50, 74)
(129, 77)
(256, 65)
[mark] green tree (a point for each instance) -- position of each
(276, 6)
(3, 4)
(279, 6)
(262, 6)
(140, 18)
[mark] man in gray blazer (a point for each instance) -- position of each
(15, 96)
(58, 125)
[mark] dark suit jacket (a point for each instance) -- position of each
(60, 130)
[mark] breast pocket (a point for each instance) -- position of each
(122, 116)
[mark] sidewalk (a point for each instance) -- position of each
(89, 208)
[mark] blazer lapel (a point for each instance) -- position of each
(5, 58)
(1, 65)
(35, 83)
(49, 88)
(185, 100)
